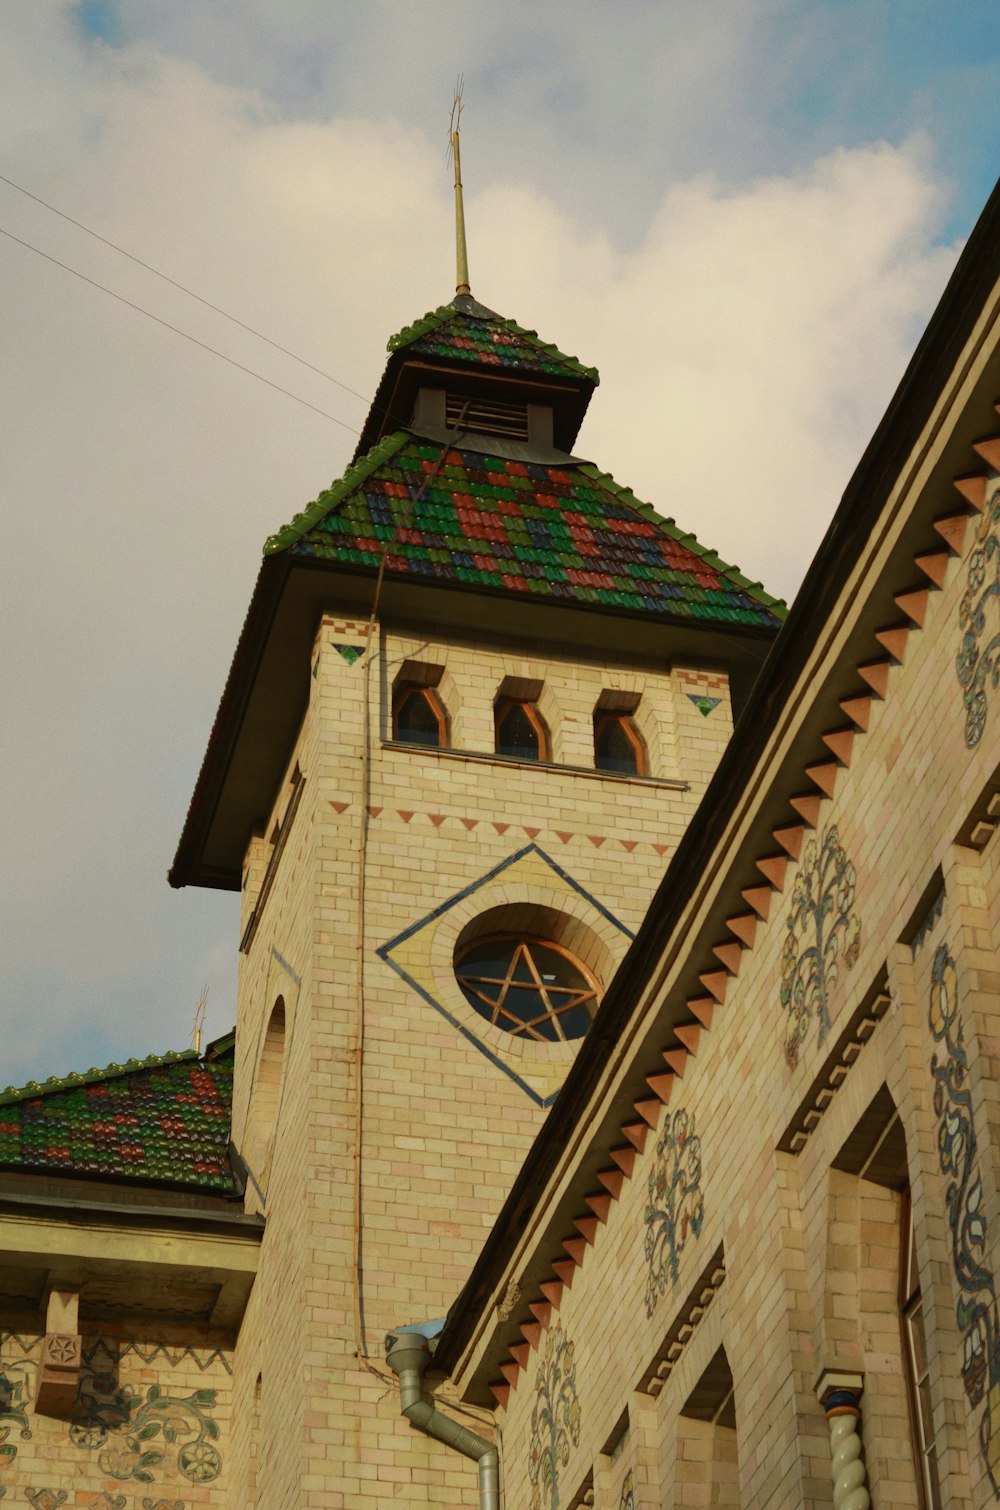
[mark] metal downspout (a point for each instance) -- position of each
(408, 1356)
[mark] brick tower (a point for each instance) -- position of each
(479, 692)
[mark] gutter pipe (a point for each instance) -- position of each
(408, 1354)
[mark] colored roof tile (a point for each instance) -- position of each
(466, 331)
(567, 532)
(161, 1120)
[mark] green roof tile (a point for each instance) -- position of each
(477, 335)
(162, 1120)
(527, 528)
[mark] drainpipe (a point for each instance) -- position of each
(408, 1354)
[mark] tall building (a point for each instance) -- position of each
(479, 695)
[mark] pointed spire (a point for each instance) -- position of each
(461, 253)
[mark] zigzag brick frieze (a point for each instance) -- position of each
(565, 836)
(840, 741)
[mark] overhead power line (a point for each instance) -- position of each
(215, 308)
(178, 332)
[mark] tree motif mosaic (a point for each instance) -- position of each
(127, 1430)
(823, 932)
(675, 1208)
(555, 1419)
(978, 661)
(976, 1309)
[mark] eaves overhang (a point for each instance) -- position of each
(936, 363)
(267, 689)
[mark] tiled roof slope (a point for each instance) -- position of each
(557, 532)
(467, 331)
(163, 1119)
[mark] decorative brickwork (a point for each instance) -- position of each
(978, 662)
(675, 1207)
(555, 1419)
(822, 930)
(976, 1311)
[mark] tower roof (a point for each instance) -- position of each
(466, 331)
(569, 532)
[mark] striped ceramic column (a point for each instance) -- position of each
(840, 1396)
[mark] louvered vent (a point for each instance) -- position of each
(487, 416)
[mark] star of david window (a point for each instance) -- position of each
(530, 987)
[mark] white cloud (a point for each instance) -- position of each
(747, 342)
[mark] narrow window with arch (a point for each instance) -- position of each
(418, 716)
(618, 745)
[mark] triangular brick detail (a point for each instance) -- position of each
(628, 844)
(894, 640)
(340, 807)
(624, 1158)
(759, 897)
(404, 815)
(676, 1060)
(876, 674)
(520, 1352)
(790, 838)
(510, 1372)
(576, 1247)
(744, 927)
(661, 849)
(612, 1180)
(661, 1086)
(437, 819)
(373, 812)
(934, 564)
(565, 1268)
(561, 834)
(600, 1205)
(501, 828)
(531, 1331)
(689, 1034)
(587, 1228)
(808, 806)
(773, 867)
(914, 604)
(471, 823)
(649, 1111)
(730, 955)
(858, 710)
(597, 840)
(703, 1008)
(552, 1289)
(716, 983)
(989, 450)
(952, 530)
(973, 490)
(542, 1312)
(638, 1132)
(840, 742)
(532, 833)
(501, 1394)
(825, 776)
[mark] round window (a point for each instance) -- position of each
(530, 987)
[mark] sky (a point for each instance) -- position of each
(743, 214)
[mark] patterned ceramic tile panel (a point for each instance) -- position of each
(543, 531)
(163, 1122)
(483, 338)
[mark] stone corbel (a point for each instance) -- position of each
(62, 1355)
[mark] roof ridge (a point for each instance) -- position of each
(435, 318)
(690, 542)
(336, 492)
(33, 1089)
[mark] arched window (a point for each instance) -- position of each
(520, 730)
(531, 987)
(418, 716)
(618, 744)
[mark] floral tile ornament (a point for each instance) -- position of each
(128, 1431)
(675, 1209)
(627, 1498)
(555, 1418)
(823, 932)
(976, 1309)
(46, 1499)
(14, 1399)
(978, 661)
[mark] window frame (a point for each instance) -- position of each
(605, 716)
(502, 708)
(402, 693)
(591, 999)
(913, 1339)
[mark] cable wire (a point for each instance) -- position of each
(178, 332)
(183, 288)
